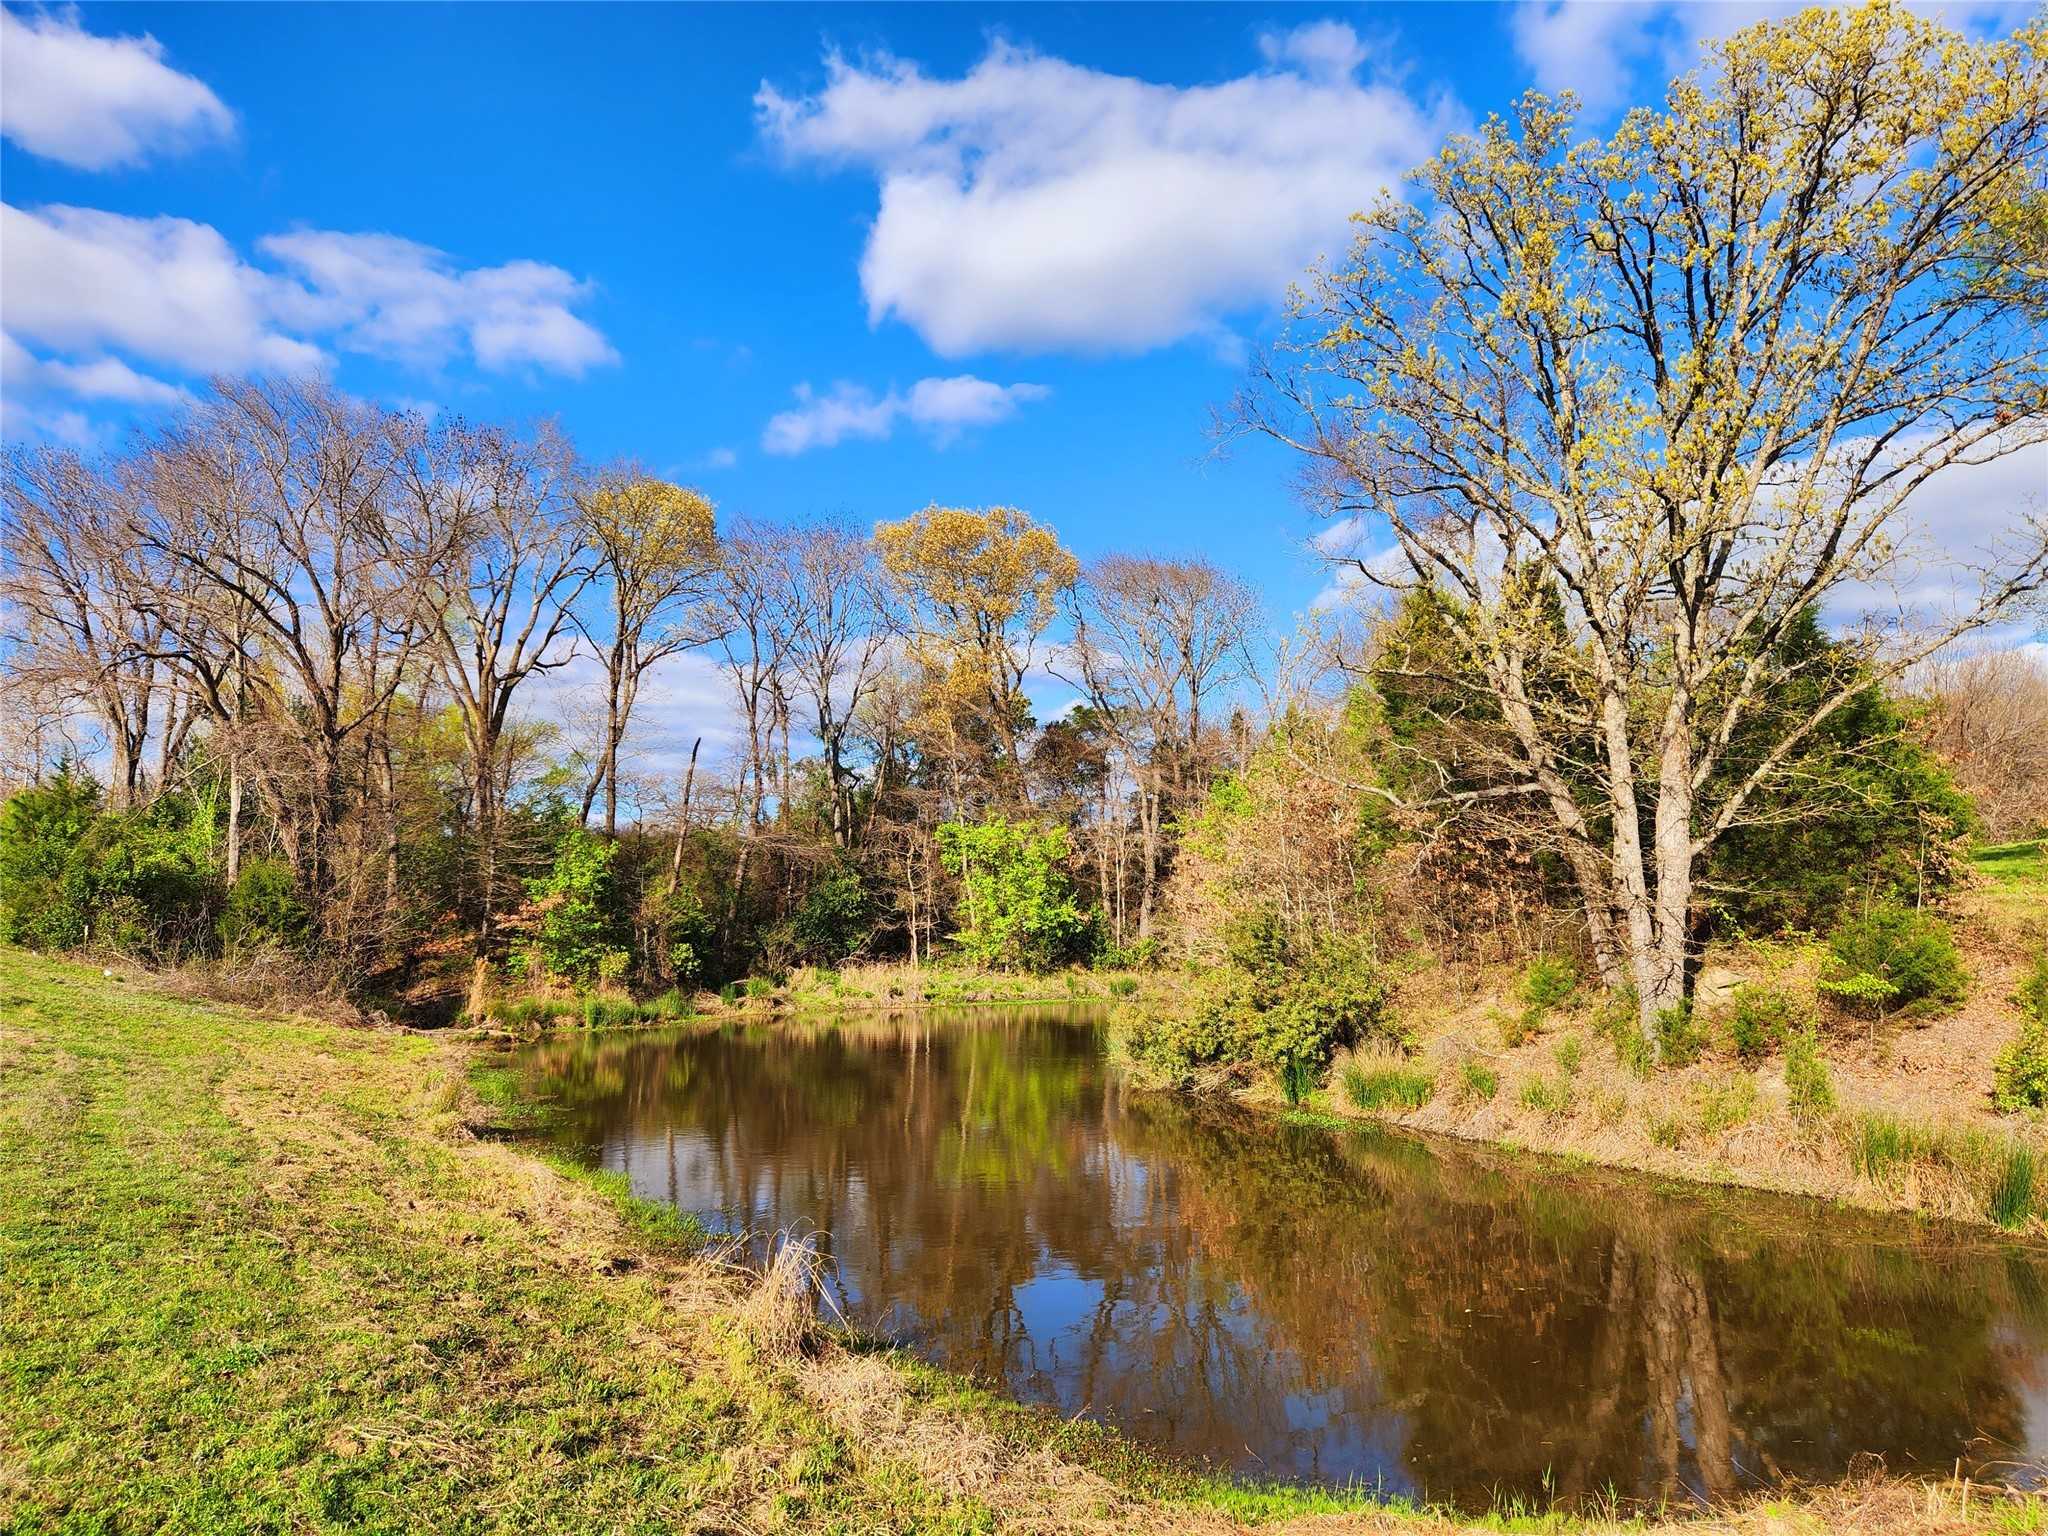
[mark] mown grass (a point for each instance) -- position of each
(257, 1280)
(2013, 862)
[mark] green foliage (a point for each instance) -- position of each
(1477, 1082)
(1893, 956)
(40, 829)
(1811, 1090)
(1297, 1081)
(1678, 1037)
(1550, 982)
(1861, 812)
(684, 934)
(2019, 1074)
(1277, 999)
(1518, 1028)
(760, 986)
(1759, 1018)
(581, 934)
(1569, 1054)
(263, 906)
(1387, 1085)
(833, 919)
(141, 881)
(1017, 906)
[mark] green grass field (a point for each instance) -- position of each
(2013, 862)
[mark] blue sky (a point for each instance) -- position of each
(812, 259)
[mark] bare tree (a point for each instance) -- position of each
(74, 591)
(500, 603)
(1633, 406)
(1988, 718)
(655, 548)
(837, 644)
(1154, 640)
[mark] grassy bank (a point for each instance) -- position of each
(1892, 1114)
(262, 1275)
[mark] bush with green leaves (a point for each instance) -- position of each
(263, 906)
(1893, 959)
(1549, 983)
(1279, 998)
(581, 931)
(2019, 1074)
(140, 881)
(1759, 1018)
(683, 933)
(833, 920)
(1017, 908)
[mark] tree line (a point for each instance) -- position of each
(1641, 432)
(321, 640)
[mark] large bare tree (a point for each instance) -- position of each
(1633, 404)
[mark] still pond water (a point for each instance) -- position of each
(1318, 1306)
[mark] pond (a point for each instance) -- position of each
(1353, 1306)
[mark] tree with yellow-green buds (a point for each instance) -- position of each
(1631, 406)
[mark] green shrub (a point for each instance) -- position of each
(1549, 983)
(581, 929)
(1477, 1082)
(1893, 957)
(760, 986)
(1518, 1028)
(1387, 1085)
(1276, 1000)
(729, 993)
(1569, 1054)
(1678, 1036)
(1758, 1019)
(2019, 1074)
(1811, 1090)
(263, 906)
(1616, 1020)
(834, 918)
(1123, 986)
(683, 934)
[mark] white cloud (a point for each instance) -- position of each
(97, 102)
(941, 408)
(1042, 205)
(82, 285)
(721, 458)
(396, 298)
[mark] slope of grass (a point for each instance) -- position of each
(2026, 861)
(260, 1276)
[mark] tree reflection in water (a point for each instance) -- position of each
(1309, 1305)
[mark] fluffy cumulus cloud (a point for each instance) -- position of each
(1041, 205)
(96, 293)
(96, 103)
(941, 408)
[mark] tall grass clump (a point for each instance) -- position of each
(1387, 1084)
(2012, 1192)
(1477, 1082)
(1297, 1080)
(1883, 1142)
(1812, 1091)
(1549, 983)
